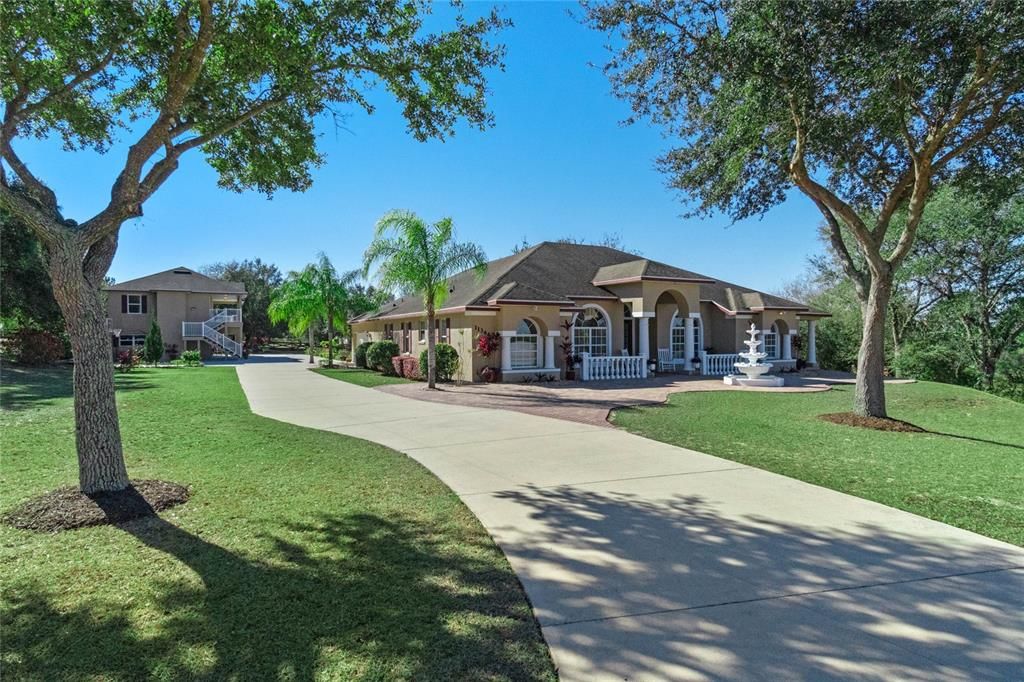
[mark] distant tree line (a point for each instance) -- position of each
(957, 310)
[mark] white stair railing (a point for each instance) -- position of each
(597, 368)
(718, 364)
(206, 330)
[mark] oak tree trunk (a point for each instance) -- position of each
(97, 433)
(431, 350)
(869, 400)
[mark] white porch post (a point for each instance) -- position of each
(787, 347)
(506, 350)
(549, 349)
(643, 324)
(687, 343)
(812, 350)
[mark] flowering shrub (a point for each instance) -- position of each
(489, 342)
(410, 368)
(127, 360)
(34, 346)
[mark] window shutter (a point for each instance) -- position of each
(124, 303)
(144, 299)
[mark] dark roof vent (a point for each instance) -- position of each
(182, 272)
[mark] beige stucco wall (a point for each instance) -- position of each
(170, 308)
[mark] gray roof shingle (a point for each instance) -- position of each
(179, 279)
(557, 272)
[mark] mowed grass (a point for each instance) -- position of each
(362, 377)
(968, 471)
(301, 555)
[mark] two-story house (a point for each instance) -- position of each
(195, 312)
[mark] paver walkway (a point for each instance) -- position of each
(645, 561)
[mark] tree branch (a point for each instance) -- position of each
(20, 114)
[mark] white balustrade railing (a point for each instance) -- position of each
(596, 368)
(204, 330)
(718, 364)
(222, 315)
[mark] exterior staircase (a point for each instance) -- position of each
(210, 330)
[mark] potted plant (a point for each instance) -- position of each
(695, 363)
(571, 359)
(489, 343)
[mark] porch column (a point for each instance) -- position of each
(549, 349)
(687, 343)
(812, 350)
(506, 350)
(787, 347)
(643, 325)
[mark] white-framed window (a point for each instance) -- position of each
(771, 343)
(134, 305)
(590, 332)
(131, 340)
(442, 325)
(678, 340)
(523, 345)
(423, 331)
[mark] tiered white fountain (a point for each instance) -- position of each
(753, 370)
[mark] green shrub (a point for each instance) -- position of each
(153, 349)
(378, 356)
(191, 358)
(447, 362)
(361, 353)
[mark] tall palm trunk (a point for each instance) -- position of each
(310, 343)
(330, 337)
(431, 348)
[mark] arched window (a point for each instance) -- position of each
(771, 343)
(524, 345)
(679, 338)
(590, 332)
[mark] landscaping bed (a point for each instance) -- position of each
(300, 554)
(964, 465)
(362, 377)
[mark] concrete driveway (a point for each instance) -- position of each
(645, 561)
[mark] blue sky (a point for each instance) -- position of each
(557, 163)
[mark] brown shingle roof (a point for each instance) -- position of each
(179, 279)
(558, 272)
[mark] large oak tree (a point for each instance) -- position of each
(242, 82)
(862, 106)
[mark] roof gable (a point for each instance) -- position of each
(179, 279)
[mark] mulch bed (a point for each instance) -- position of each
(69, 508)
(877, 423)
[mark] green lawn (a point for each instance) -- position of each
(972, 478)
(301, 555)
(361, 377)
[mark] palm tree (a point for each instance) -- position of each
(293, 302)
(414, 256)
(317, 293)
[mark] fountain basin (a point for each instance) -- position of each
(760, 381)
(752, 370)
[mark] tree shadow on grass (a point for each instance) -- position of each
(23, 387)
(341, 597)
(677, 589)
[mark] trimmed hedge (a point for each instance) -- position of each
(361, 353)
(447, 362)
(378, 356)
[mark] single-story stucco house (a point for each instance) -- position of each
(195, 312)
(627, 315)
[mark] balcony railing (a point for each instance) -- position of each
(596, 368)
(222, 315)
